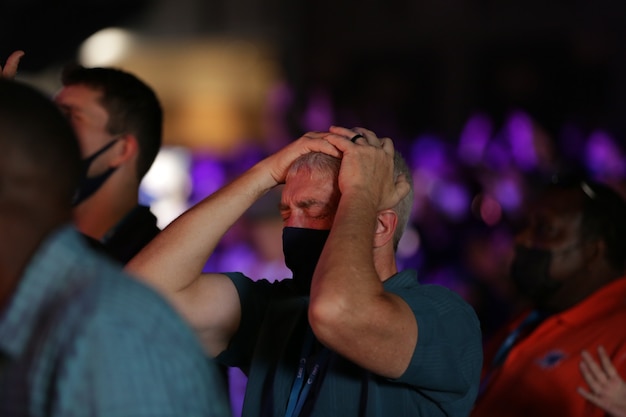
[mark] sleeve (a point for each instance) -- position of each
(119, 368)
(254, 297)
(448, 356)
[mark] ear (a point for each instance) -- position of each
(386, 223)
(126, 149)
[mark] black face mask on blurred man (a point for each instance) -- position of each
(89, 185)
(530, 272)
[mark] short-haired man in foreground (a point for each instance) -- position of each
(78, 336)
(348, 335)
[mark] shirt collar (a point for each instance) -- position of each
(403, 279)
(43, 281)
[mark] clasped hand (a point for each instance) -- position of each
(368, 166)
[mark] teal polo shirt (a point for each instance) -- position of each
(442, 378)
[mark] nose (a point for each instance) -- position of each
(295, 219)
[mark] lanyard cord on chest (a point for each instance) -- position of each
(301, 386)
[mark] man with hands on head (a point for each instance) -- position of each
(348, 334)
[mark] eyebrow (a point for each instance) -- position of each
(304, 204)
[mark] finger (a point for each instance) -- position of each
(388, 146)
(586, 394)
(316, 142)
(10, 68)
(608, 367)
(593, 367)
(324, 146)
(403, 187)
(342, 131)
(315, 134)
(600, 402)
(590, 378)
(590, 397)
(369, 136)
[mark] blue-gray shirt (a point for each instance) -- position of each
(442, 378)
(81, 338)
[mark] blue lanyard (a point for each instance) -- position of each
(531, 321)
(300, 389)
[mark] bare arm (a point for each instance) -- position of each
(173, 261)
(350, 311)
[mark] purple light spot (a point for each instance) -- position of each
(520, 133)
(429, 153)
(409, 243)
(319, 113)
(474, 138)
(603, 157)
(452, 198)
(497, 156)
(508, 194)
(207, 176)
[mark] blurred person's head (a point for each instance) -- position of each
(39, 171)
(117, 118)
(571, 245)
(118, 121)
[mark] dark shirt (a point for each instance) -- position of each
(441, 380)
(131, 234)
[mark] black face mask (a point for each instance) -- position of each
(302, 248)
(530, 272)
(89, 185)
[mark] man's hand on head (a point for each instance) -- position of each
(10, 67)
(368, 166)
(279, 163)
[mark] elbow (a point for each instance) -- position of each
(327, 318)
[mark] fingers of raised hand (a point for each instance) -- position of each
(316, 142)
(403, 186)
(369, 137)
(591, 377)
(607, 366)
(357, 135)
(10, 68)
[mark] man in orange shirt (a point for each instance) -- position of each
(569, 262)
